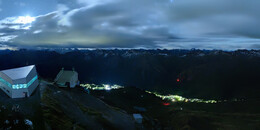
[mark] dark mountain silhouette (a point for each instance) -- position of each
(200, 73)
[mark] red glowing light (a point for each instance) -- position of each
(166, 104)
(178, 80)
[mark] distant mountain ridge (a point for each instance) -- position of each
(210, 74)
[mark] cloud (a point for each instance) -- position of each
(215, 24)
(22, 4)
(1, 4)
(12, 27)
(95, 2)
(101, 25)
(233, 17)
(5, 47)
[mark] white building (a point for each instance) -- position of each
(19, 82)
(67, 78)
(138, 118)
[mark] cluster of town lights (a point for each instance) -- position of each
(177, 98)
(100, 87)
(173, 98)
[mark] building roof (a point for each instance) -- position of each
(137, 116)
(18, 73)
(66, 76)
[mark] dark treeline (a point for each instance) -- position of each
(201, 74)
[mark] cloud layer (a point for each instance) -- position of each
(215, 24)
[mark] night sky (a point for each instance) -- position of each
(170, 24)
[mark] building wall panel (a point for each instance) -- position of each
(19, 93)
(20, 81)
(32, 73)
(33, 87)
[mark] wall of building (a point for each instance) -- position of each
(33, 87)
(20, 81)
(6, 89)
(19, 93)
(32, 73)
(74, 80)
(6, 78)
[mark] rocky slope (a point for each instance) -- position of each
(73, 108)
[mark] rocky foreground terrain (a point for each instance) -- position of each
(51, 107)
(64, 108)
